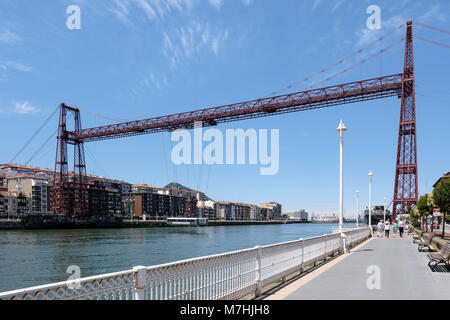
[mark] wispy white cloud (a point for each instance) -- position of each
(247, 2)
(21, 108)
(366, 35)
(7, 36)
(337, 5)
(316, 4)
(435, 13)
(153, 9)
(5, 65)
(25, 108)
(216, 3)
(191, 40)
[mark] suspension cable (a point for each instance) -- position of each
(358, 63)
(432, 28)
(41, 147)
(103, 116)
(432, 41)
(34, 134)
(337, 63)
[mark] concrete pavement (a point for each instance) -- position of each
(402, 272)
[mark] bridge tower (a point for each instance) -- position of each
(405, 188)
(69, 195)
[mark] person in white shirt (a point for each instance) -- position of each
(380, 228)
(387, 228)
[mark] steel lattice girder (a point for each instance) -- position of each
(305, 100)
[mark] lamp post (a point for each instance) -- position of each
(370, 199)
(341, 128)
(384, 211)
(357, 208)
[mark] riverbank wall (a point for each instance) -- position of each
(18, 225)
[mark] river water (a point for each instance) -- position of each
(36, 257)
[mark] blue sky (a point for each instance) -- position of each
(136, 59)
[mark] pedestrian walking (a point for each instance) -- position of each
(401, 228)
(395, 229)
(387, 228)
(380, 230)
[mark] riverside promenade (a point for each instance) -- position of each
(403, 274)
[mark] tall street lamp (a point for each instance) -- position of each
(370, 199)
(357, 208)
(341, 128)
(384, 211)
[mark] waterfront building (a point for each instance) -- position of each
(205, 212)
(15, 204)
(271, 211)
(222, 210)
(150, 202)
(205, 209)
(301, 215)
(11, 169)
(3, 202)
(243, 211)
(103, 200)
(255, 212)
(237, 211)
(2, 179)
(444, 176)
(36, 188)
(106, 183)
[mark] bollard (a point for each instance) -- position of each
(140, 273)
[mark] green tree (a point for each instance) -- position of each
(425, 207)
(441, 195)
(414, 215)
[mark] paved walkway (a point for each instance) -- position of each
(404, 274)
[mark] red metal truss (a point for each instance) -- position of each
(70, 197)
(300, 101)
(406, 184)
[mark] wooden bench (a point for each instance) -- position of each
(426, 243)
(440, 257)
(417, 238)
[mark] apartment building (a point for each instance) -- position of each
(205, 212)
(3, 201)
(151, 202)
(36, 188)
(13, 205)
(11, 170)
(236, 211)
(255, 212)
(271, 211)
(103, 200)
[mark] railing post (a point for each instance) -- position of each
(343, 243)
(258, 271)
(140, 273)
(325, 255)
(302, 268)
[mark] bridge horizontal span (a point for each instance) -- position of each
(299, 101)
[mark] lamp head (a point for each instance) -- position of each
(341, 127)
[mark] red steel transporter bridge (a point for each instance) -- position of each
(70, 195)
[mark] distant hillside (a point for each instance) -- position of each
(176, 185)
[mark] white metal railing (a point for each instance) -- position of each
(231, 275)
